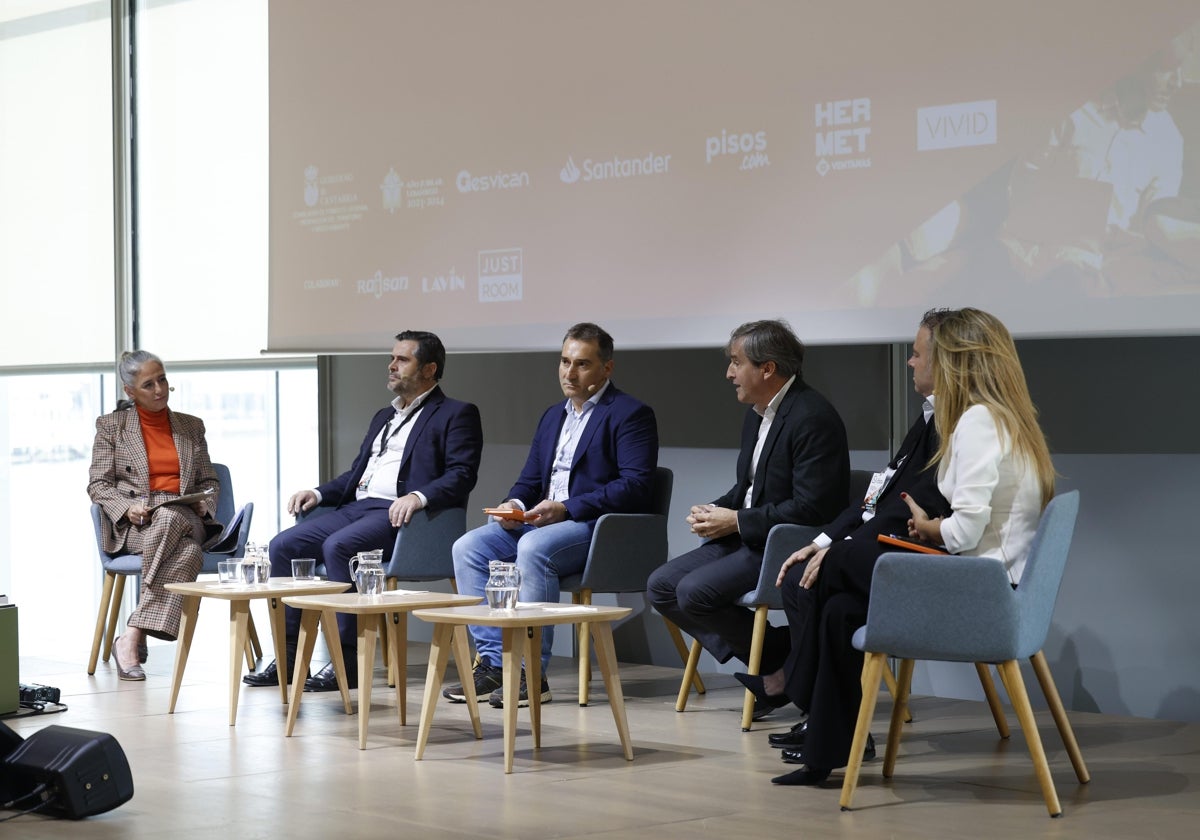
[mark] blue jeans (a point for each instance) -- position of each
(542, 555)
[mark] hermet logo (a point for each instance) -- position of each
(616, 168)
(467, 182)
(501, 275)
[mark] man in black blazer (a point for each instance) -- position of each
(421, 451)
(793, 467)
(825, 587)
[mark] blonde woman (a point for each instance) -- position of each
(994, 469)
(145, 454)
(993, 464)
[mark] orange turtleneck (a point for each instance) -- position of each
(160, 450)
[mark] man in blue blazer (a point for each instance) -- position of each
(421, 451)
(593, 454)
(793, 467)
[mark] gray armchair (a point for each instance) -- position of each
(963, 609)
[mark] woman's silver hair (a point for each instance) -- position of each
(131, 362)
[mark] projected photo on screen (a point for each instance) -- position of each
(496, 171)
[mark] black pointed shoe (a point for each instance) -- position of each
(756, 686)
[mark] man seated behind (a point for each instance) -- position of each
(793, 467)
(420, 452)
(594, 454)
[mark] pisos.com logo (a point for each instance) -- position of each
(614, 168)
(752, 146)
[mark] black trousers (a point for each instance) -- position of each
(823, 671)
(697, 592)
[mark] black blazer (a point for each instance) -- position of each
(803, 474)
(912, 477)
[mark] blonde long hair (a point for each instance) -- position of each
(975, 363)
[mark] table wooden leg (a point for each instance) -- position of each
(396, 625)
(279, 640)
(512, 646)
(304, 651)
(368, 633)
(333, 641)
(239, 615)
(533, 682)
(187, 629)
(606, 655)
(439, 654)
(464, 662)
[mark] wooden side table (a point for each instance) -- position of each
(521, 636)
(239, 597)
(391, 610)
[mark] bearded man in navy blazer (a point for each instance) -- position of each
(596, 453)
(420, 452)
(793, 467)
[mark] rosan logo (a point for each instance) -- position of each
(467, 182)
(378, 285)
(569, 174)
(614, 169)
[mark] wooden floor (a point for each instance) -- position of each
(694, 774)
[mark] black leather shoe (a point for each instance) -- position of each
(804, 776)
(268, 675)
(792, 739)
(797, 756)
(326, 679)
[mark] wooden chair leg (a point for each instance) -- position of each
(97, 637)
(1011, 673)
(903, 688)
(114, 613)
(1050, 691)
(890, 680)
(689, 670)
(682, 648)
(755, 663)
(873, 667)
(993, 699)
(585, 651)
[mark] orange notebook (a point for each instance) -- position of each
(910, 545)
(505, 513)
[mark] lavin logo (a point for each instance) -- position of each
(957, 125)
(501, 275)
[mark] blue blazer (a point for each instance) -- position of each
(614, 463)
(441, 457)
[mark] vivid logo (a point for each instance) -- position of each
(957, 125)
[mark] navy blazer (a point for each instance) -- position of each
(441, 456)
(614, 463)
(803, 474)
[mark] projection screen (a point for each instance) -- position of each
(495, 171)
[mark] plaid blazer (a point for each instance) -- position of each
(120, 471)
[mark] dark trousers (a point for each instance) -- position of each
(697, 592)
(823, 671)
(333, 539)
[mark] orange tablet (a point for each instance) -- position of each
(910, 545)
